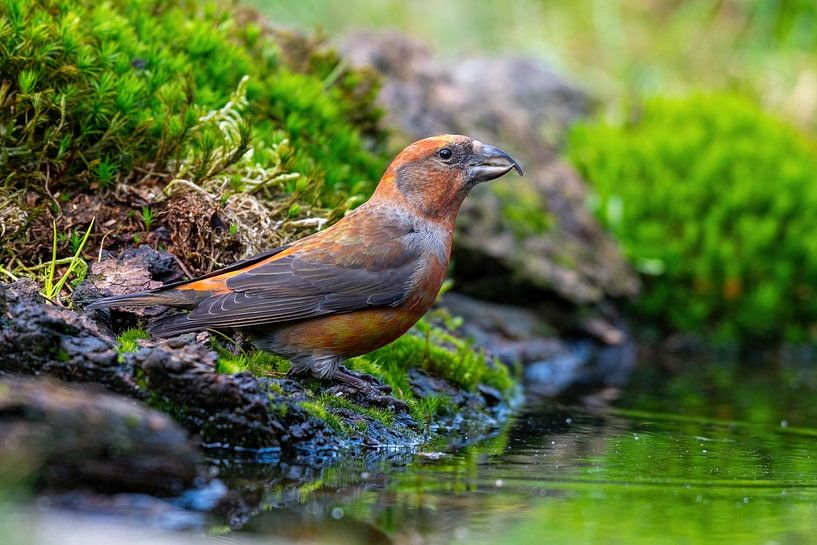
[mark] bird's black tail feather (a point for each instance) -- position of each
(171, 325)
(171, 298)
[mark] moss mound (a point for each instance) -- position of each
(169, 95)
(432, 346)
(714, 201)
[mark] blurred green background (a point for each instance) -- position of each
(615, 48)
(701, 150)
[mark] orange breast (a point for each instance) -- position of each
(349, 335)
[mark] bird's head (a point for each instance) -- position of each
(434, 175)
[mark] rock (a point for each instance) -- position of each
(39, 339)
(178, 375)
(534, 234)
(24, 289)
(552, 366)
(255, 415)
(135, 269)
(512, 96)
(78, 437)
(226, 410)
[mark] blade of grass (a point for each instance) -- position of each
(74, 261)
(48, 282)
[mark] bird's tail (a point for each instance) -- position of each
(171, 298)
(171, 325)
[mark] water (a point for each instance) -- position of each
(716, 454)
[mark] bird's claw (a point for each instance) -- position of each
(389, 401)
(352, 377)
(369, 395)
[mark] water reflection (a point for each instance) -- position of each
(699, 458)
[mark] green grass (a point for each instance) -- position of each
(147, 217)
(53, 286)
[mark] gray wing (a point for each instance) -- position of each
(292, 288)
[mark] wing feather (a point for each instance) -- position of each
(297, 286)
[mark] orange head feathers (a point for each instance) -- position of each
(434, 175)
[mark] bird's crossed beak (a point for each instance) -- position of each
(488, 163)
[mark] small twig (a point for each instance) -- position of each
(182, 266)
(102, 246)
(229, 339)
(61, 261)
(52, 301)
(310, 222)
(9, 274)
(188, 183)
(47, 190)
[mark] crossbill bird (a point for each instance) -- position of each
(353, 287)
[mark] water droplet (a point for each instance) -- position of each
(498, 483)
(784, 423)
(746, 500)
(568, 420)
(337, 513)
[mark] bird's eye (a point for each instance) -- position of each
(445, 154)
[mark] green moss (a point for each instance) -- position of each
(128, 341)
(257, 362)
(96, 89)
(384, 416)
(439, 353)
(425, 409)
(319, 410)
(714, 202)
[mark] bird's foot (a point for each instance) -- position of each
(360, 380)
(368, 388)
